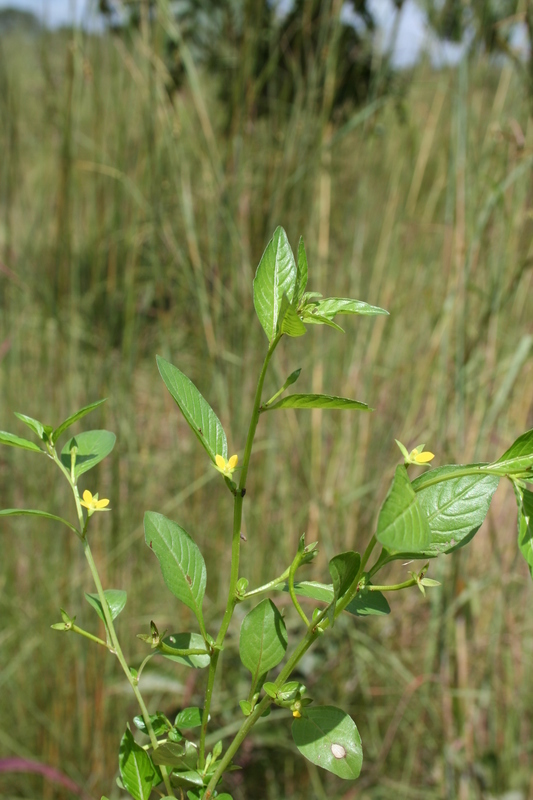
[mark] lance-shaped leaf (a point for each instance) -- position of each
(524, 499)
(331, 306)
(308, 316)
(199, 415)
(183, 642)
(328, 737)
(301, 272)
(343, 569)
(181, 561)
(42, 431)
(30, 512)
(289, 322)
(189, 718)
(519, 457)
(136, 769)
(115, 598)
(402, 525)
(365, 603)
(454, 508)
(275, 277)
(319, 401)
(263, 639)
(92, 447)
(15, 441)
(75, 417)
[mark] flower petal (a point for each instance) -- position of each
(87, 496)
(220, 462)
(232, 463)
(102, 503)
(424, 458)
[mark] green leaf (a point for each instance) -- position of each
(136, 768)
(275, 276)
(181, 561)
(174, 755)
(187, 641)
(189, 718)
(75, 417)
(187, 778)
(42, 431)
(318, 401)
(365, 603)
(301, 272)
(289, 322)
(455, 508)
(317, 319)
(328, 737)
(519, 457)
(524, 500)
(343, 569)
(198, 414)
(15, 441)
(160, 724)
(331, 306)
(27, 512)
(263, 639)
(93, 447)
(402, 525)
(116, 600)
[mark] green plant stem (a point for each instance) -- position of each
(116, 649)
(75, 629)
(292, 572)
(394, 587)
(366, 555)
(235, 551)
(267, 586)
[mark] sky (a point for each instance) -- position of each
(413, 36)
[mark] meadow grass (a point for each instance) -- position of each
(131, 223)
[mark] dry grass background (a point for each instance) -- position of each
(131, 224)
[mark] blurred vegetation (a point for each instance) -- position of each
(131, 222)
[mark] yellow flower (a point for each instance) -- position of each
(92, 502)
(420, 456)
(226, 468)
(296, 713)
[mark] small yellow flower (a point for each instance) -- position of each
(417, 456)
(296, 713)
(226, 468)
(92, 502)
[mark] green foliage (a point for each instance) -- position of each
(136, 769)
(181, 561)
(199, 415)
(91, 448)
(328, 737)
(263, 639)
(75, 418)
(15, 441)
(318, 401)
(116, 601)
(401, 523)
(274, 279)
(27, 512)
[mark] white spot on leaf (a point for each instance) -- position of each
(338, 750)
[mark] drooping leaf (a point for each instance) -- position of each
(42, 431)
(15, 441)
(170, 754)
(199, 415)
(455, 508)
(301, 272)
(343, 569)
(187, 778)
(116, 600)
(365, 603)
(187, 641)
(160, 724)
(275, 277)
(289, 322)
(402, 525)
(75, 417)
(181, 561)
(263, 639)
(311, 318)
(30, 512)
(524, 500)
(136, 768)
(319, 401)
(329, 738)
(331, 306)
(93, 447)
(189, 718)
(519, 457)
